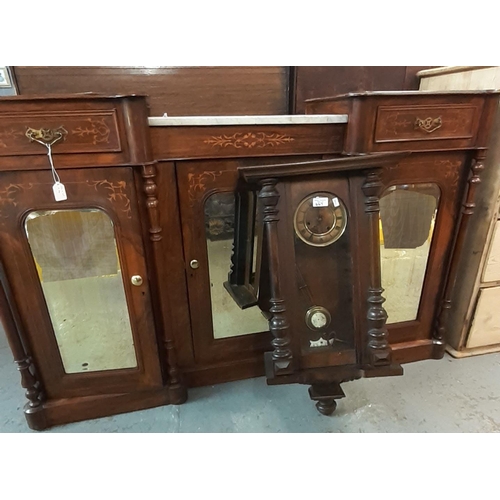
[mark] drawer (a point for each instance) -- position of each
(491, 270)
(81, 131)
(90, 129)
(412, 121)
(485, 329)
(426, 123)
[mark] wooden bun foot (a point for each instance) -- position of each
(326, 406)
(325, 395)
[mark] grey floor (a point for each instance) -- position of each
(449, 395)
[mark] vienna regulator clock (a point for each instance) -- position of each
(315, 271)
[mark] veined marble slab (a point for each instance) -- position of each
(202, 121)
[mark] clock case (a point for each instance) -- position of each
(288, 278)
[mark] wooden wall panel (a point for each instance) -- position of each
(178, 91)
(326, 81)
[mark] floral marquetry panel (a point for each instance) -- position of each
(249, 140)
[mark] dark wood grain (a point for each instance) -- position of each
(324, 81)
(177, 91)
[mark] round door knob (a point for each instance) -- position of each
(194, 264)
(136, 280)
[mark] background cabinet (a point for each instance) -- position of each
(218, 90)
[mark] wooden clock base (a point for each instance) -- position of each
(325, 395)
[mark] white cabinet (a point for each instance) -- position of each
(474, 326)
(491, 270)
(485, 328)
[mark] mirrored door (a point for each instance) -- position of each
(80, 269)
(222, 331)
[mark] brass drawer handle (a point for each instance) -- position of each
(46, 136)
(429, 125)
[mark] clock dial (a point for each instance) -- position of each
(317, 318)
(320, 219)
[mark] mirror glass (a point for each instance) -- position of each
(407, 218)
(77, 262)
(228, 319)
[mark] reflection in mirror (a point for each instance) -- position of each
(229, 320)
(78, 266)
(407, 215)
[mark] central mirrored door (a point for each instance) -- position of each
(222, 331)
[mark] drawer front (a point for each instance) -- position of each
(426, 123)
(81, 131)
(492, 268)
(485, 329)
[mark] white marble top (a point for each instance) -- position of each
(201, 121)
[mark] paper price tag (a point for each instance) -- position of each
(335, 202)
(59, 192)
(320, 201)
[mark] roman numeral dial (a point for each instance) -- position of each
(320, 219)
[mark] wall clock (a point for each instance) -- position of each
(320, 270)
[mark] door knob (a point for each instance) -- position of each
(136, 280)
(194, 264)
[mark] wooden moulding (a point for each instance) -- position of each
(76, 409)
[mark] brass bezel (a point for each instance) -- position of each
(341, 207)
(309, 314)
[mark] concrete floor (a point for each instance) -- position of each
(433, 396)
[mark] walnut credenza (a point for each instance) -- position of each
(113, 299)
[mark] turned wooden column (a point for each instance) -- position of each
(33, 410)
(378, 350)
(468, 207)
(278, 323)
(177, 389)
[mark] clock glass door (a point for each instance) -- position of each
(322, 267)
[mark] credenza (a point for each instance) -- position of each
(121, 238)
